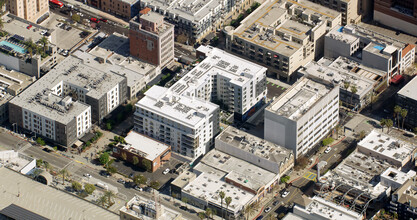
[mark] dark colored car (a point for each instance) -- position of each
(260, 217)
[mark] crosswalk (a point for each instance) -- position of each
(310, 176)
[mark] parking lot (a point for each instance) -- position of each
(127, 169)
(274, 90)
(65, 39)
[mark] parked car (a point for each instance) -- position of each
(43, 32)
(138, 188)
(47, 149)
(104, 173)
(95, 20)
(64, 53)
(285, 193)
(87, 175)
(328, 149)
(59, 24)
(29, 27)
(267, 209)
(276, 202)
(68, 28)
(260, 217)
(166, 171)
(120, 180)
(103, 19)
(131, 175)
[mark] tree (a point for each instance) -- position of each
(222, 195)
(44, 41)
(76, 18)
(47, 165)
(155, 184)
(40, 141)
(403, 113)
(109, 126)
(102, 200)
(30, 51)
(327, 141)
(104, 158)
(89, 188)
(397, 110)
(39, 163)
(250, 209)
(64, 173)
(228, 201)
(110, 196)
(111, 169)
(284, 179)
(128, 108)
(76, 186)
(383, 123)
(201, 215)
(135, 160)
(124, 156)
(362, 135)
(209, 212)
(139, 179)
(389, 124)
(354, 90)
(147, 165)
(281, 215)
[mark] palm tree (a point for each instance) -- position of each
(102, 200)
(209, 213)
(228, 201)
(44, 41)
(30, 50)
(389, 124)
(403, 113)
(383, 122)
(201, 215)
(397, 110)
(346, 85)
(64, 173)
(250, 209)
(222, 195)
(354, 90)
(109, 195)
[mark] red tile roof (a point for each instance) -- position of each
(407, 49)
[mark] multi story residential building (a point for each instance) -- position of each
(151, 38)
(11, 84)
(404, 200)
(372, 49)
(143, 148)
(348, 8)
(399, 14)
(72, 95)
(196, 19)
(302, 115)
(187, 124)
(283, 35)
(112, 56)
(34, 11)
(254, 150)
(13, 52)
(123, 8)
(407, 99)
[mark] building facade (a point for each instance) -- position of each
(31, 10)
(288, 36)
(406, 98)
(303, 115)
(348, 8)
(404, 200)
(151, 38)
(400, 14)
(123, 8)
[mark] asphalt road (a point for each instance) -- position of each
(53, 158)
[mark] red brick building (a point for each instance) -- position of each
(144, 148)
(151, 38)
(398, 14)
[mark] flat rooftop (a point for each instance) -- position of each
(191, 10)
(14, 160)
(398, 175)
(254, 145)
(408, 193)
(15, 25)
(298, 99)
(210, 182)
(338, 76)
(337, 34)
(359, 171)
(378, 34)
(181, 109)
(409, 90)
(379, 50)
(240, 171)
(218, 62)
(12, 82)
(347, 64)
(381, 143)
(144, 146)
(45, 200)
(134, 206)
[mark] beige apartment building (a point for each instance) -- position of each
(31, 10)
(348, 8)
(283, 35)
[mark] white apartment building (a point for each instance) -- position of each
(283, 35)
(370, 48)
(187, 124)
(303, 115)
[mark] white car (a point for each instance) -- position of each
(138, 188)
(59, 24)
(43, 32)
(267, 209)
(285, 194)
(328, 149)
(87, 175)
(166, 171)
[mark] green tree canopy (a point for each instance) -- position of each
(76, 186)
(104, 158)
(89, 188)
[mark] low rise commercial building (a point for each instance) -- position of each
(112, 56)
(349, 9)
(152, 38)
(11, 84)
(303, 115)
(384, 147)
(283, 35)
(17, 161)
(196, 19)
(143, 148)
(62, 105)
(395, 178)
(123, 8)
(252, 149)
(404, 200)
(139, 208)
(370, 48)
(406, 98)
(244, 182)
(13, 51)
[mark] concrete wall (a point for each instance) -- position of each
(280, 130)
(374, 61)
(397, 23)
(10, 62)
(30, 166)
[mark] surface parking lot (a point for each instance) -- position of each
(274, 90)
